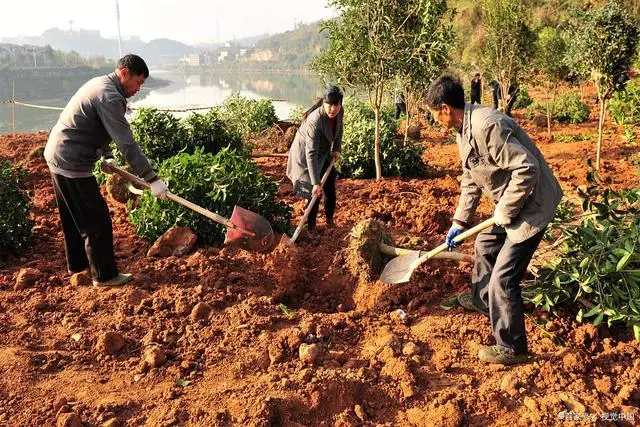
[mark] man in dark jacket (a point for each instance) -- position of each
(94, 116)
(500, 160)
(476, 89)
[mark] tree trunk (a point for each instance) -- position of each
(376, 110)
(600, 126)
(549, 117)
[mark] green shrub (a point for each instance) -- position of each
(15, 225)
(295, 115)
(246, 116)
(567, 108)
(598, 263)
(210, 132)
(523, 100)
(624, 107)
(358, 145)
(215, 182)
(159, 134)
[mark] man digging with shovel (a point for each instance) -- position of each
(94, 116)
(501, 161)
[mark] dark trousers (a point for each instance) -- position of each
(499, 266)
(329, 194)
(401, 108)
(475, 98)
(86, 223)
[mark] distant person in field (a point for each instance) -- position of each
(501, 161)
(496, 93)
(93, 117)
(318, 140)
(514, 89)
(401, 105)
(476, 89)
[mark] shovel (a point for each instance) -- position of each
(245, 229)
(307, 211)
(400, 269)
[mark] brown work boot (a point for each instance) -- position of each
(465, 299)
(119, 280)
(501, 356)
(330, 223)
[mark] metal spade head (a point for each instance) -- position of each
(262, 239)
(399, 269)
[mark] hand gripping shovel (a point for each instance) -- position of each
(307, 211)
(245, 229)
(400, 269)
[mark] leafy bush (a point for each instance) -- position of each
(358, 145)
(210, 132)
(523, 100)
(295, 115)
(15, 225)
(158, 133)
(624, 107)
(217, 183)
(246, 116)
(567, 108)
(599, 261)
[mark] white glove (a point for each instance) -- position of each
(159, 189)
(107, 163)
(501, 219)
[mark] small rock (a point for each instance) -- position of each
(359, 412)
(81, 279)
(68, 419)
(509, 384)
(154, 357)
(113, 422)
(59, 403)
(572, 403)
(137, 377)
(201, 311)
(176, 241)
(309, 353)
(410, 349)
(26, 277)
(407, 388)
(399, 316)
(110, 343)
(531, 404)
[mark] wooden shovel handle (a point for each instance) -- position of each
(470, 232)
(202, 211)
(307, 211)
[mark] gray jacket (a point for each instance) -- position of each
(499, 159)
(93, 117)
(311, 148)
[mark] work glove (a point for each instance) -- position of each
(106, 165)
(336, 156)
(501, 219)
(454, 231)
(159, 189)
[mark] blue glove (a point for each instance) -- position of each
(454, 231)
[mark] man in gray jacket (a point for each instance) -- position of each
(94, 116)
(501, 161)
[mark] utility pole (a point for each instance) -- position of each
(35, 61)
(119, 37)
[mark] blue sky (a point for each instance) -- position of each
(188, 21)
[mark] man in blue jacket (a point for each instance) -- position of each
(94, 117)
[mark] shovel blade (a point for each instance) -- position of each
(261, 241)
(399, 269)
